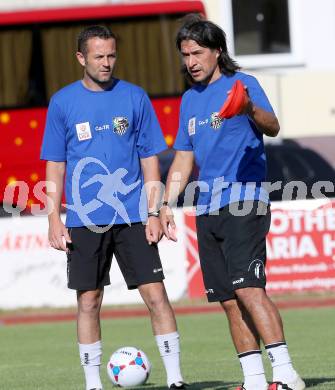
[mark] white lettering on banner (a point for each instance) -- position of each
(291, 247)
(280, 222)
(330, 218)
(328, 245)
(301, 284)
(315, 221)
(296, 218)
(299, 221)
(297, 268)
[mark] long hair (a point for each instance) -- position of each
(207, 34)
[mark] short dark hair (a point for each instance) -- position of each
(93, 32)
(207, 34)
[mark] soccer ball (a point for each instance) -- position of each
(128, 366)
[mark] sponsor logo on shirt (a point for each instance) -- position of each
(156, 270)
(202, 123)
(216, 121)
(209, 291)
(83, 131)
(120, 125)
(103, 127)
(191, 126)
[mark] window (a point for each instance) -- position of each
(264, 33)
(40, 58)
(261, 27)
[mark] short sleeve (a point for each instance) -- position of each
(257, 94)
(150, 140)
(183, 140)
(54, 139)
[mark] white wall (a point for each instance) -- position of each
(318, 25)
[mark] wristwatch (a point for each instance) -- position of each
(153, 214)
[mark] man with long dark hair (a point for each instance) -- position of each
(230, 156)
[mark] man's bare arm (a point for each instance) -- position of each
(58, 234)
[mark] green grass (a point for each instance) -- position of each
(45, 356)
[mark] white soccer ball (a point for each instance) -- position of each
(128, 366)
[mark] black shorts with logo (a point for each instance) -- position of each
(232, 249)
(90, 257)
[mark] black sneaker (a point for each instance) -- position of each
(179, 385)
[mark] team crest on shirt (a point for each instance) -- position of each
(120, 125)
(215, 120)
(83, 131)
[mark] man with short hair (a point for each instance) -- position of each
(230, 156)
(104, 135)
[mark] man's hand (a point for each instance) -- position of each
(153, 230)
(168, 224)
(58, 235)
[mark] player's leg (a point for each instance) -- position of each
(247, 345)
(164, 329)
(219, 289)
(88, 272)
(263, 313)
(141, 267)
(162, 316)
(89, 335)
(269, 325)
(242, 329)
(245, 247)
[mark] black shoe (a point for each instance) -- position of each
(179, 385)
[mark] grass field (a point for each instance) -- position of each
(45, 357)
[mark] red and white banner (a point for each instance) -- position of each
(300, 245)
(300, 248)
(34, 275)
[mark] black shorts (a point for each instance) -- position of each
(232, 250)
(90, 257)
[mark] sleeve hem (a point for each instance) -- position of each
(53, 158)
(183, 148)
(153, 153)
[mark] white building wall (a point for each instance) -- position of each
(318, 25)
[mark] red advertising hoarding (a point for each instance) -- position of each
(300, 248)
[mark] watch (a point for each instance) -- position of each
(153, 214)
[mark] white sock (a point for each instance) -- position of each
(90, 357)
(168, 345)
(253, 370)
(283, 370)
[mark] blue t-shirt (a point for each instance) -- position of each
(228, 152)
(102, 135)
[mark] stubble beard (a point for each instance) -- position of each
(101, 83)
